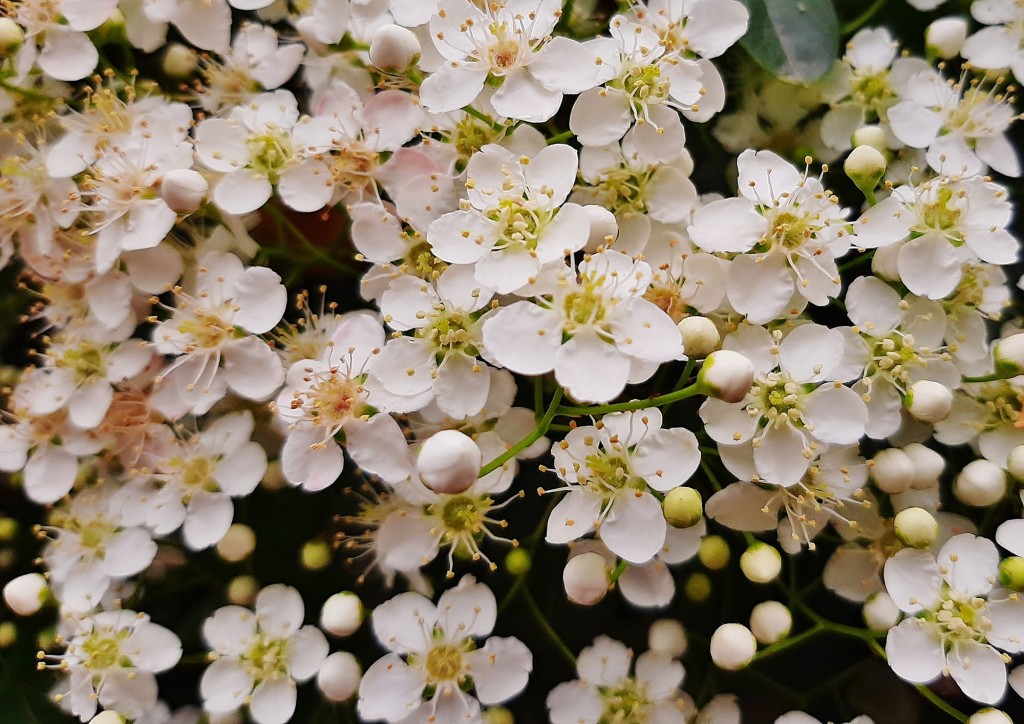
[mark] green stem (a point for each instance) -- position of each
(470, 110)
(537, 434)
(788, 643)
(941, 703)
(658, 401)
(548, 629)
(34, 95)
(993, 377)
(563, 136)
(619, 570)
(854, 25)
(859, 259)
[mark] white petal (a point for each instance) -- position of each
(273, 701)
(914, 651)
(929, 266)
(310, 461)
(600, 117)
(605, 663)
(309, 649)
(242, 191)
(759, 286)
(913, 581)
(468, 610)
(378, 446)
(727, 225)
(590, 369)
(979, 671)
(522, 97)
(208, 519)
(635, 529)
(743, 506)
(252, 368)
(835, 414)
(972, 561)
(67, 54)
(307, 187)
(279, 610)
(666, 458)
(449, 88)
(500, 669)
(389, 690)
(648, 585)
(523, 337)
(779, 457)
(573, 517)
(404, 622)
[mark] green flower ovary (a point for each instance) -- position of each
(463, 515)
(643, 84)
(942, 215)
(269, 152)
(873, 92)
(584, 308)
(443, 663)
(894, 356)
(450, 332)
(266, 657)
(625, 704)
(522, 220)
(85, 360)
(101, 650)
(961, 618)
(778, 400)
(610, 474)
(789, 231)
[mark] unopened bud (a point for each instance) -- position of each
(714, 552)
(449, 462)
(585, 578)
(342, 614)
(1009, 354)
(25, 594)
(892, 470)
(237, 544)
(107, 717)
(1015, 462)
(11, 37)
(945, 37)
(274, 479)
(928, 466)
(770, 622)
(865, 166)
(242, 590)
(990, 716)
(394, 48)
(498, 715)
(316, 555)
(668, 636)
(732, 646)
(726, 375)
(604, 228)
(928, 401)
(880, 612)
(761, 563)
(518, 561)
(339, 676)
(1011, 573)
(8, 634)
(683, 507)
(981, 483)
(700, 336)
(872, 136)
(179, 61)
(8, 529)
(183, 190)
(916, 527)
(697, 587)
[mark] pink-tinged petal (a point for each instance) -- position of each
(252, 368)
(662, 674)
(230, 631)
(635, 529)
(605, 663)
(462, 237)
(376, 233)
(500, 669)
(225, 686)
(220, 144)
(279, 610)
(89, 405)
(49, 474)
(379, 447)
(406, 541)
(308, 648)
(573, 517)
(67, 54)
(306, 187)
(451, 88)
(666, 458)
(915, 652)
(207, 520)
(242, 191)
(853, 573)
(523, 97)
(14, 451)
(273, 701)
(727, 225)
(682, 544)
(648, 585)
(972, 563)
(524, 337)
(129, 360)
(913, 580)
(204, 23)
(979, 671)
(404, 623)
(600, 117)
(310, 461)
(389, 690)
(468, 610)
(759, 287)
(744, 506)
(590, 369)
(835, 414)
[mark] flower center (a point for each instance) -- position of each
(267, 657)
(444, 663)
(873, 92)
(626, 704)
(85, 360)
(206, 330)
(643, 84)
(421, 262)
(449, 331)
(961, 618)
(610, 475)
(102, 651)
(269, 152)
(504, 54)
(790, 231)
(332, 400)
(942, 215)
(584, 308)
(461, 514)
(894, 356)
(621, 190)
(777, 400)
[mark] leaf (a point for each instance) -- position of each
(794, 39)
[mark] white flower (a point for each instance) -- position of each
(260, 656)
(1001, 45)
(606, 691)
(67, 53)
(440, 653)
(956, 621)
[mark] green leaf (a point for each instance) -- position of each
(794, 39)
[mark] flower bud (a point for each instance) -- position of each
(981, 483)
(11, 37)
(25, 594)
(498, 715)
(1011, 573)
(884, 263)
(1015, 463)
(183, 190)
(585, 578)
(449, 462)
(916, 527)
(732, 646)
(928, 401)
(1009, 354)
(880, 612)
(865, 166)
(683, 507)
(8, 634)
(928, 466)
(107, 717)
(179, 61)
(339, 676)
(700, 336)
(892, 470)
(989, 716)
(604, 228)
(668, 636)
(945, 37)
(726, 375)
(316, 555)
(237, 544)
(342, 614)
(872, 136)
(770, 621)
(274, 479)
(8, 529)
(761, 563)
(697, 587)
(714, 552)
(242, 590)
(518, 562)
(394, 48)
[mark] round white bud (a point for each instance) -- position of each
(237, 543)
(880, 612)
(761, 563)
(916, 527)
(928, 401)
(25, 594)
(11, 36)
(770, 621)
(981, 483)
(883, 263)
(342, 614)
(989, 716)
(872, 136)
(394, 48)
(700, 336)
(107, 717)
(339, 676)
(585, 578)
(945, 37)
(865, 166)
(892, 470)
(1009, 354)
(449, 462)
(179, 61)
(604, 228)
(668, 636)
(183, 190)
(928, 466)
(1015, 462)
(732, 646)
(726, 375)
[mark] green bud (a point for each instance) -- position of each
(697, 587)
(683, 507)
(714, 552)
(1011, 573)
(916, 527)
(518, 562)
(316, 555)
